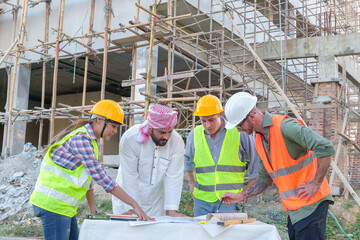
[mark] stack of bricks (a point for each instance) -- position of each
(327, 122)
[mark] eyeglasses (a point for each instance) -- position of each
(239, 126)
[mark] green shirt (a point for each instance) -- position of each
(298, 140)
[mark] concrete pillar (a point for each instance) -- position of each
(142, 61)
(328, 69)
(21, 99)
(292, 24)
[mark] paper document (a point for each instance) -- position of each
(162, 219)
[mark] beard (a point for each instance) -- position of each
(158, 141)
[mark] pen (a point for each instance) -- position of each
(219, 206)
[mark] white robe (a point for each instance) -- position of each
(150, 174)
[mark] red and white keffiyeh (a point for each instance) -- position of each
(159, 117)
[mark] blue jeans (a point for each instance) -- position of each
(202, 208)
(56, 226)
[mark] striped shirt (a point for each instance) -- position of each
(79, 150)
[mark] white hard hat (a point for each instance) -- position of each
(237, 107)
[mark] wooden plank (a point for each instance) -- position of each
(232, 222)
(138, 38)
(148, 79)
(350, 141)
(8, 51)
(127, 83)
(338, 149)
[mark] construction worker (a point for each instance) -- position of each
(152, 164)
(68, 168)
(294, 157)
(217, 157)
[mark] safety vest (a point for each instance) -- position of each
(61, 190)
(288, 173)
(212, 181)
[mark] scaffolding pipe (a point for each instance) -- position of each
(56, 66)
(90, 30)
(148, 77)
(43, 79)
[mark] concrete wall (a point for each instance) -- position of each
(20, 101)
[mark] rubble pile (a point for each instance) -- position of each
(18, 176)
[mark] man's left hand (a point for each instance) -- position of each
(308, 190)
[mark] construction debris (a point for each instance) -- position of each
(18, 176)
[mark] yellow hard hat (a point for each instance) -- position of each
(109, 109)
(208, 105)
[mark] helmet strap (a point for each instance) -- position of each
(102, 131)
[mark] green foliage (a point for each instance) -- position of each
(12, 227)
(333, 230)
(83, 210)
(356, 230)
(186, 203)
(105, 206)
(347, 204)
(21, 230)
(280, 225)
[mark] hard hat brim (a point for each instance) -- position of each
(207, 114)
(120, 123)
(229, 125)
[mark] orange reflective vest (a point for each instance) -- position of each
(288, 173)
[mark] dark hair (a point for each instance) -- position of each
(66, 131)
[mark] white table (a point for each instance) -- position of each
(109, 230)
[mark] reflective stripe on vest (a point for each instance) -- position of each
(226, 187)
(57, 171)
(56, 194)
(212, 181)
(287, 173)
(58, 189)
(292, 193)
(294, 168)
(220, 168)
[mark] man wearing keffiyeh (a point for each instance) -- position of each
(151, 164)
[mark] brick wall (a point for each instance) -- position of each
(355, 170)
(328, 121)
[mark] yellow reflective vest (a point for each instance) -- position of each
(61, 190)
(213, 180)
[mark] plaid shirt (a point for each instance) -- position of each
(79, 150)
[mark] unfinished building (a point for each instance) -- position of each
(299, 58)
